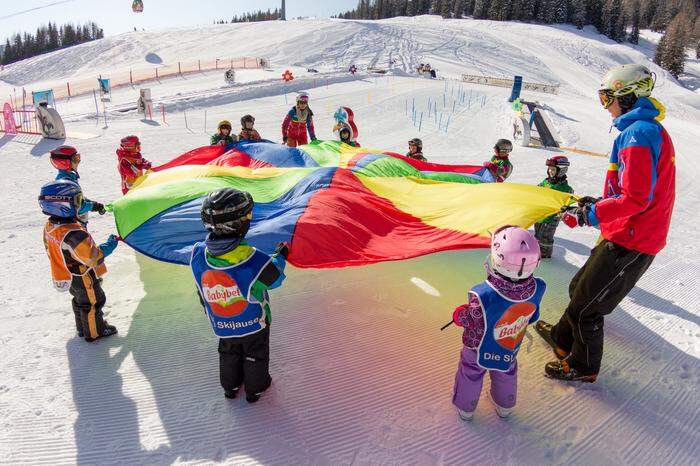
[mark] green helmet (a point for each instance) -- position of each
(628, 79)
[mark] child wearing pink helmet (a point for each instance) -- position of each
(495, 319)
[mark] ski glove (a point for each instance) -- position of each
(109, 246)
(456, 314)
(99, 208)
(284, 139)
(282, 250)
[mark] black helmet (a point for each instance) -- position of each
(247, 118)
(227, 212)
(503, 145)
(417, 142)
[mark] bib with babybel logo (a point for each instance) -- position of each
(232, 310)
(505, 323)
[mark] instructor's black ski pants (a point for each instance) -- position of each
(604, 280)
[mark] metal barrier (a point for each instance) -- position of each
(505, 82)
(25, 122)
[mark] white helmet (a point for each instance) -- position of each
(627, 79)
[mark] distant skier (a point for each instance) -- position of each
(556, 179)
(499, 165)
(77, 265)
(66, 160)
(299, 121)
(223, 135)
(233, 280)
(248, 132)
(634, 216)
(495, 320)
(132, 165)
(415, 150)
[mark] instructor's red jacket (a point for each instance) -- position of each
(640, 185)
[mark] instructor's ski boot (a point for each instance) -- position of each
(107, 331)
(561, 370)
(544, 329)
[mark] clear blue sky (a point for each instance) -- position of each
(115, 16)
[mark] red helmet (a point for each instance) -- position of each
(560, 165)
(131, 143)
(63, 156)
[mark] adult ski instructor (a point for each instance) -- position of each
(633, 215)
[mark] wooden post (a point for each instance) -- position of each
(131, 77)
(199, 65)
(156, 73)
(162, 109)
(68, 87)
(216, 65)
(179, 68)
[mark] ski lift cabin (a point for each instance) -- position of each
(137, 6)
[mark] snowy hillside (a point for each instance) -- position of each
(362, 374)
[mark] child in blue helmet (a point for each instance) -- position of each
(77, 264)
(66, 160)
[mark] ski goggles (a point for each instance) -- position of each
(607, 97)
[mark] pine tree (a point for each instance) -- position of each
(7, 53)
(611, 20)
(529, 10)
(594, 9)
(17, 47)
(560, 12)
(481, 9)
(411, 8)
(543, 12)
(516, 10)
(648, 11)
(578, 13)
(634, 33)
(458, 9)
(499, 10)
(446, 9)
(469, 7)
(674, 55)
(660, 53)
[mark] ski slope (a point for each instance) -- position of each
(361, 372)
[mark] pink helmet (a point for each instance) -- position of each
(515, 253)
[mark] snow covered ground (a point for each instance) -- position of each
(362, 374)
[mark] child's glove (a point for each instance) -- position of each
(146, 165)
(455, 315)
(99, 208)
(109, 246)
(282, 249)
(284, 139)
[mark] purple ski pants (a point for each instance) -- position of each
(470, 378)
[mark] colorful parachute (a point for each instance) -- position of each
(336, 205)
